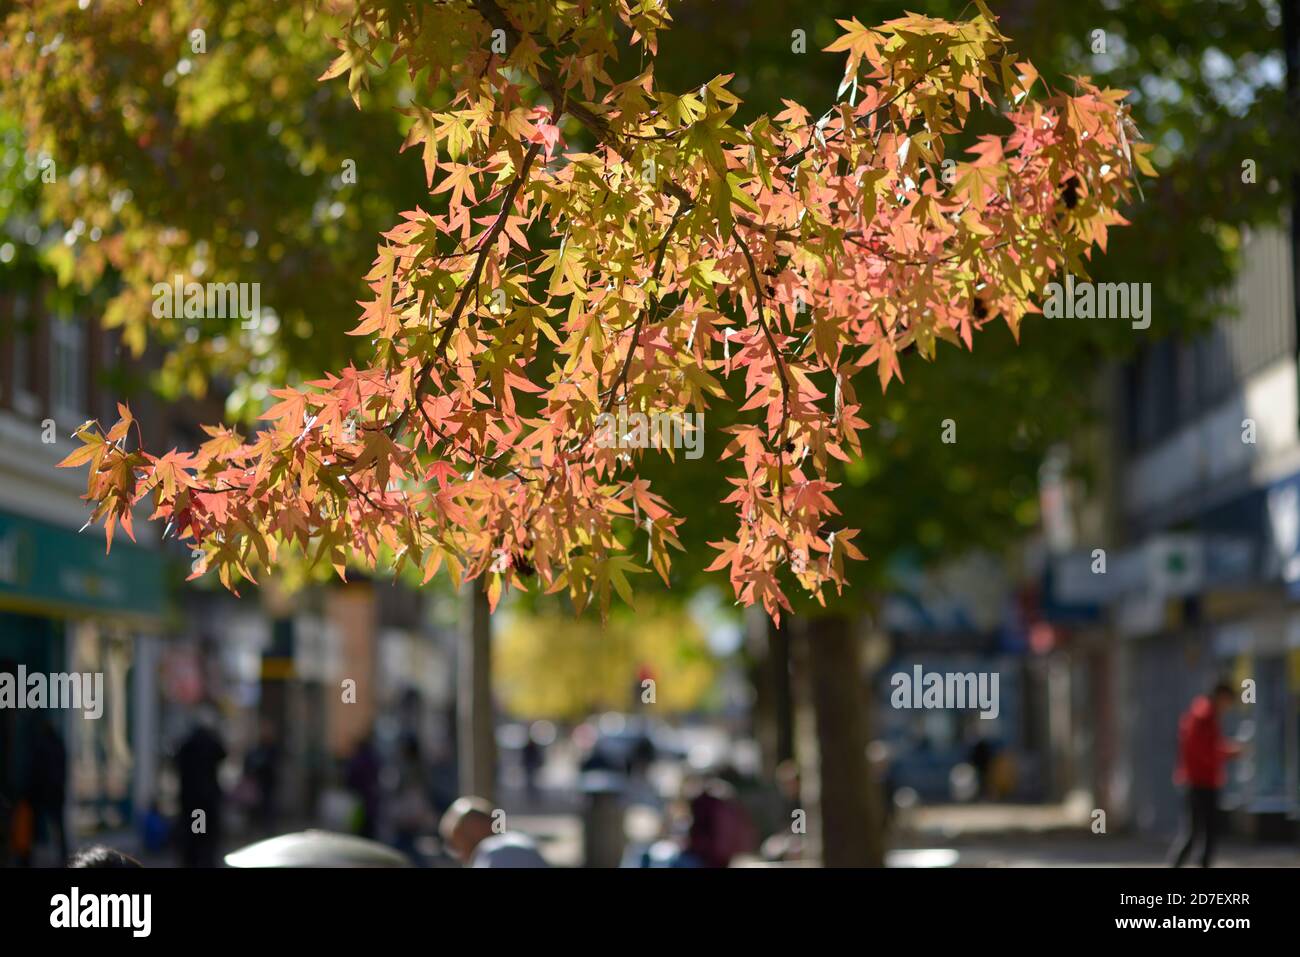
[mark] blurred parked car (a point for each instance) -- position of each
(625, 743)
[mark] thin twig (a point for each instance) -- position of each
(780, 368)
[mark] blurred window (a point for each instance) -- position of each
(1267, 759)
(1173, 382)
(68, 364)
(23, 390)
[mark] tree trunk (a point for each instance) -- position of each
(476, 733)
(769, 651)
(1291, 56)
(834, 730)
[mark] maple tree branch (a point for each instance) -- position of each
(471, 283)
(627, 362)
(419, 404)
(780, 368)
(797, 156)
(491, 11)
(918, 262)
(592, 121)
(478, 457)
(650, 312)
(356, 488)
(485, 246)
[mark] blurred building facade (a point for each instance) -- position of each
(67, 605)
(1186, 565)
(317, 670)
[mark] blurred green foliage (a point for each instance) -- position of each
(217, 157)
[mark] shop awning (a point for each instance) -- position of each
(45, 569)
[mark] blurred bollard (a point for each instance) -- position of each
(602, 821)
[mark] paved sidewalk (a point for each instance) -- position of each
(971, 819)
(1099, 850)
(1047, 835)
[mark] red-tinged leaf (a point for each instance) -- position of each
(726, 556)
(292, 407)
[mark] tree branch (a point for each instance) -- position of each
(780, 368)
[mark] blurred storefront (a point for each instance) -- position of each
(314, 672)
(69, 607)
(964, 619)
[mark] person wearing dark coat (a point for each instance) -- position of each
(47, 785)
(198, 761)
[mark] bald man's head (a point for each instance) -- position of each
(467, 823)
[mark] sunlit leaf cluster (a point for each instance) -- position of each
(590, 244)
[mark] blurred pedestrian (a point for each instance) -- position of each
(1202, 753)
(981, 759)
(411, 811)
(198, 762)
(720, 828)
(155, 830)
(532, 757)
(786, 844)
(100, 856)
(363, 780)
(47, 786)
(262, 777)
(472, 835)
(642, 756)
(19, 832)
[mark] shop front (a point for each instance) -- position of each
(68, 607)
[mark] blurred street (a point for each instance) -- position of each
(971, 835)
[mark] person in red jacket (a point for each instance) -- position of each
(1202, 753)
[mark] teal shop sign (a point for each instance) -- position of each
(45, 568)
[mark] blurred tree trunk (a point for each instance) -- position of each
(769, 652)
(476, 734)
(1291, 56)
(837, 789)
